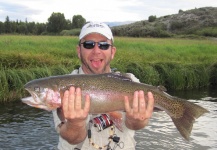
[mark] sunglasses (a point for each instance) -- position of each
(91, 45)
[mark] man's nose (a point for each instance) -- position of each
(96, 48)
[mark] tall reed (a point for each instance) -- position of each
(173, 63)
(13, 80)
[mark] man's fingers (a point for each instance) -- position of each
(135, 102)
(65, 100)
(71, 99)
(78, 99)
(142, 102)
(150, 105)
(127, 104)
(87, 104)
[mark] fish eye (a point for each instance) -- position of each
(37, 89)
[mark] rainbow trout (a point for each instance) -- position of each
(107, 93)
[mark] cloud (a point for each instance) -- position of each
(16, 11)
(99, 10)
(146, 8)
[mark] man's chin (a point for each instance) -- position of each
(97, 70)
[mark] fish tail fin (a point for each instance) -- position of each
(185, 123)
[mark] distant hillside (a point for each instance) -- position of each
(198, 21)
(112, 24)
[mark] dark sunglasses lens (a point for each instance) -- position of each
(103, 45)
(89, 44)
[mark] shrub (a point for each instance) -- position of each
(175, 25)
(152, 18)
(180, 11)
(213, 75)
(73, 32)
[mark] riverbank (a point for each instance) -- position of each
(175, 63)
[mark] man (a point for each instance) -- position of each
(96, 50)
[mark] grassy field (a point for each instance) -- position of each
(174, 63)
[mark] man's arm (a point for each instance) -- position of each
(138, 115)
(73, 132)
(74, 129)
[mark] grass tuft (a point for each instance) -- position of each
(173, 63)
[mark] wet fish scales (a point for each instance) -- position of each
(107, 93)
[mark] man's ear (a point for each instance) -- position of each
(113, 51)
(78, 49)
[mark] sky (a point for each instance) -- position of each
(96, 10)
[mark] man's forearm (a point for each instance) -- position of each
(135, 124)
(73, 133)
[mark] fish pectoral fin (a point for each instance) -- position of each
(117, 119)
(60, 114)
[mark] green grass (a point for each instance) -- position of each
(174, 63)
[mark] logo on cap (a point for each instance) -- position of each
(96, 27)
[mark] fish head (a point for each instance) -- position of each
(42, 94)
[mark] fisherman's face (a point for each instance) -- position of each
(95, 60)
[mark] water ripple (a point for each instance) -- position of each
(162, 134)
(24, 127)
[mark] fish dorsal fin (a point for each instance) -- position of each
(118, 75)
(162, 88)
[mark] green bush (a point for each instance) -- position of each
(73, 32)
(213, 75)
(152, 18)
(176, 25)
(209, 31)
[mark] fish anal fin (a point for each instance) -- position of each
(117, 119)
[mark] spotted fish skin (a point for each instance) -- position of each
(107, 93)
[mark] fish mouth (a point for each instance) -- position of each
(35, 98)
(28, 100)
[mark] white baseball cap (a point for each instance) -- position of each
(96, 27)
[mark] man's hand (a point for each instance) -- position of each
(138, 115)
(72, 105)
(74, 130)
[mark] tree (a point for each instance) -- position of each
(40, 28)
(13, 25)
(152, 18)
(56, 23)
(22, 28)
(68, 24)
(180, 11)
(7, 25)
(2, 27)
(78, 21)
(30, 27)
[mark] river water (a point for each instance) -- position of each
(25, 128)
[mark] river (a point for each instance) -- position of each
(25, 128)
